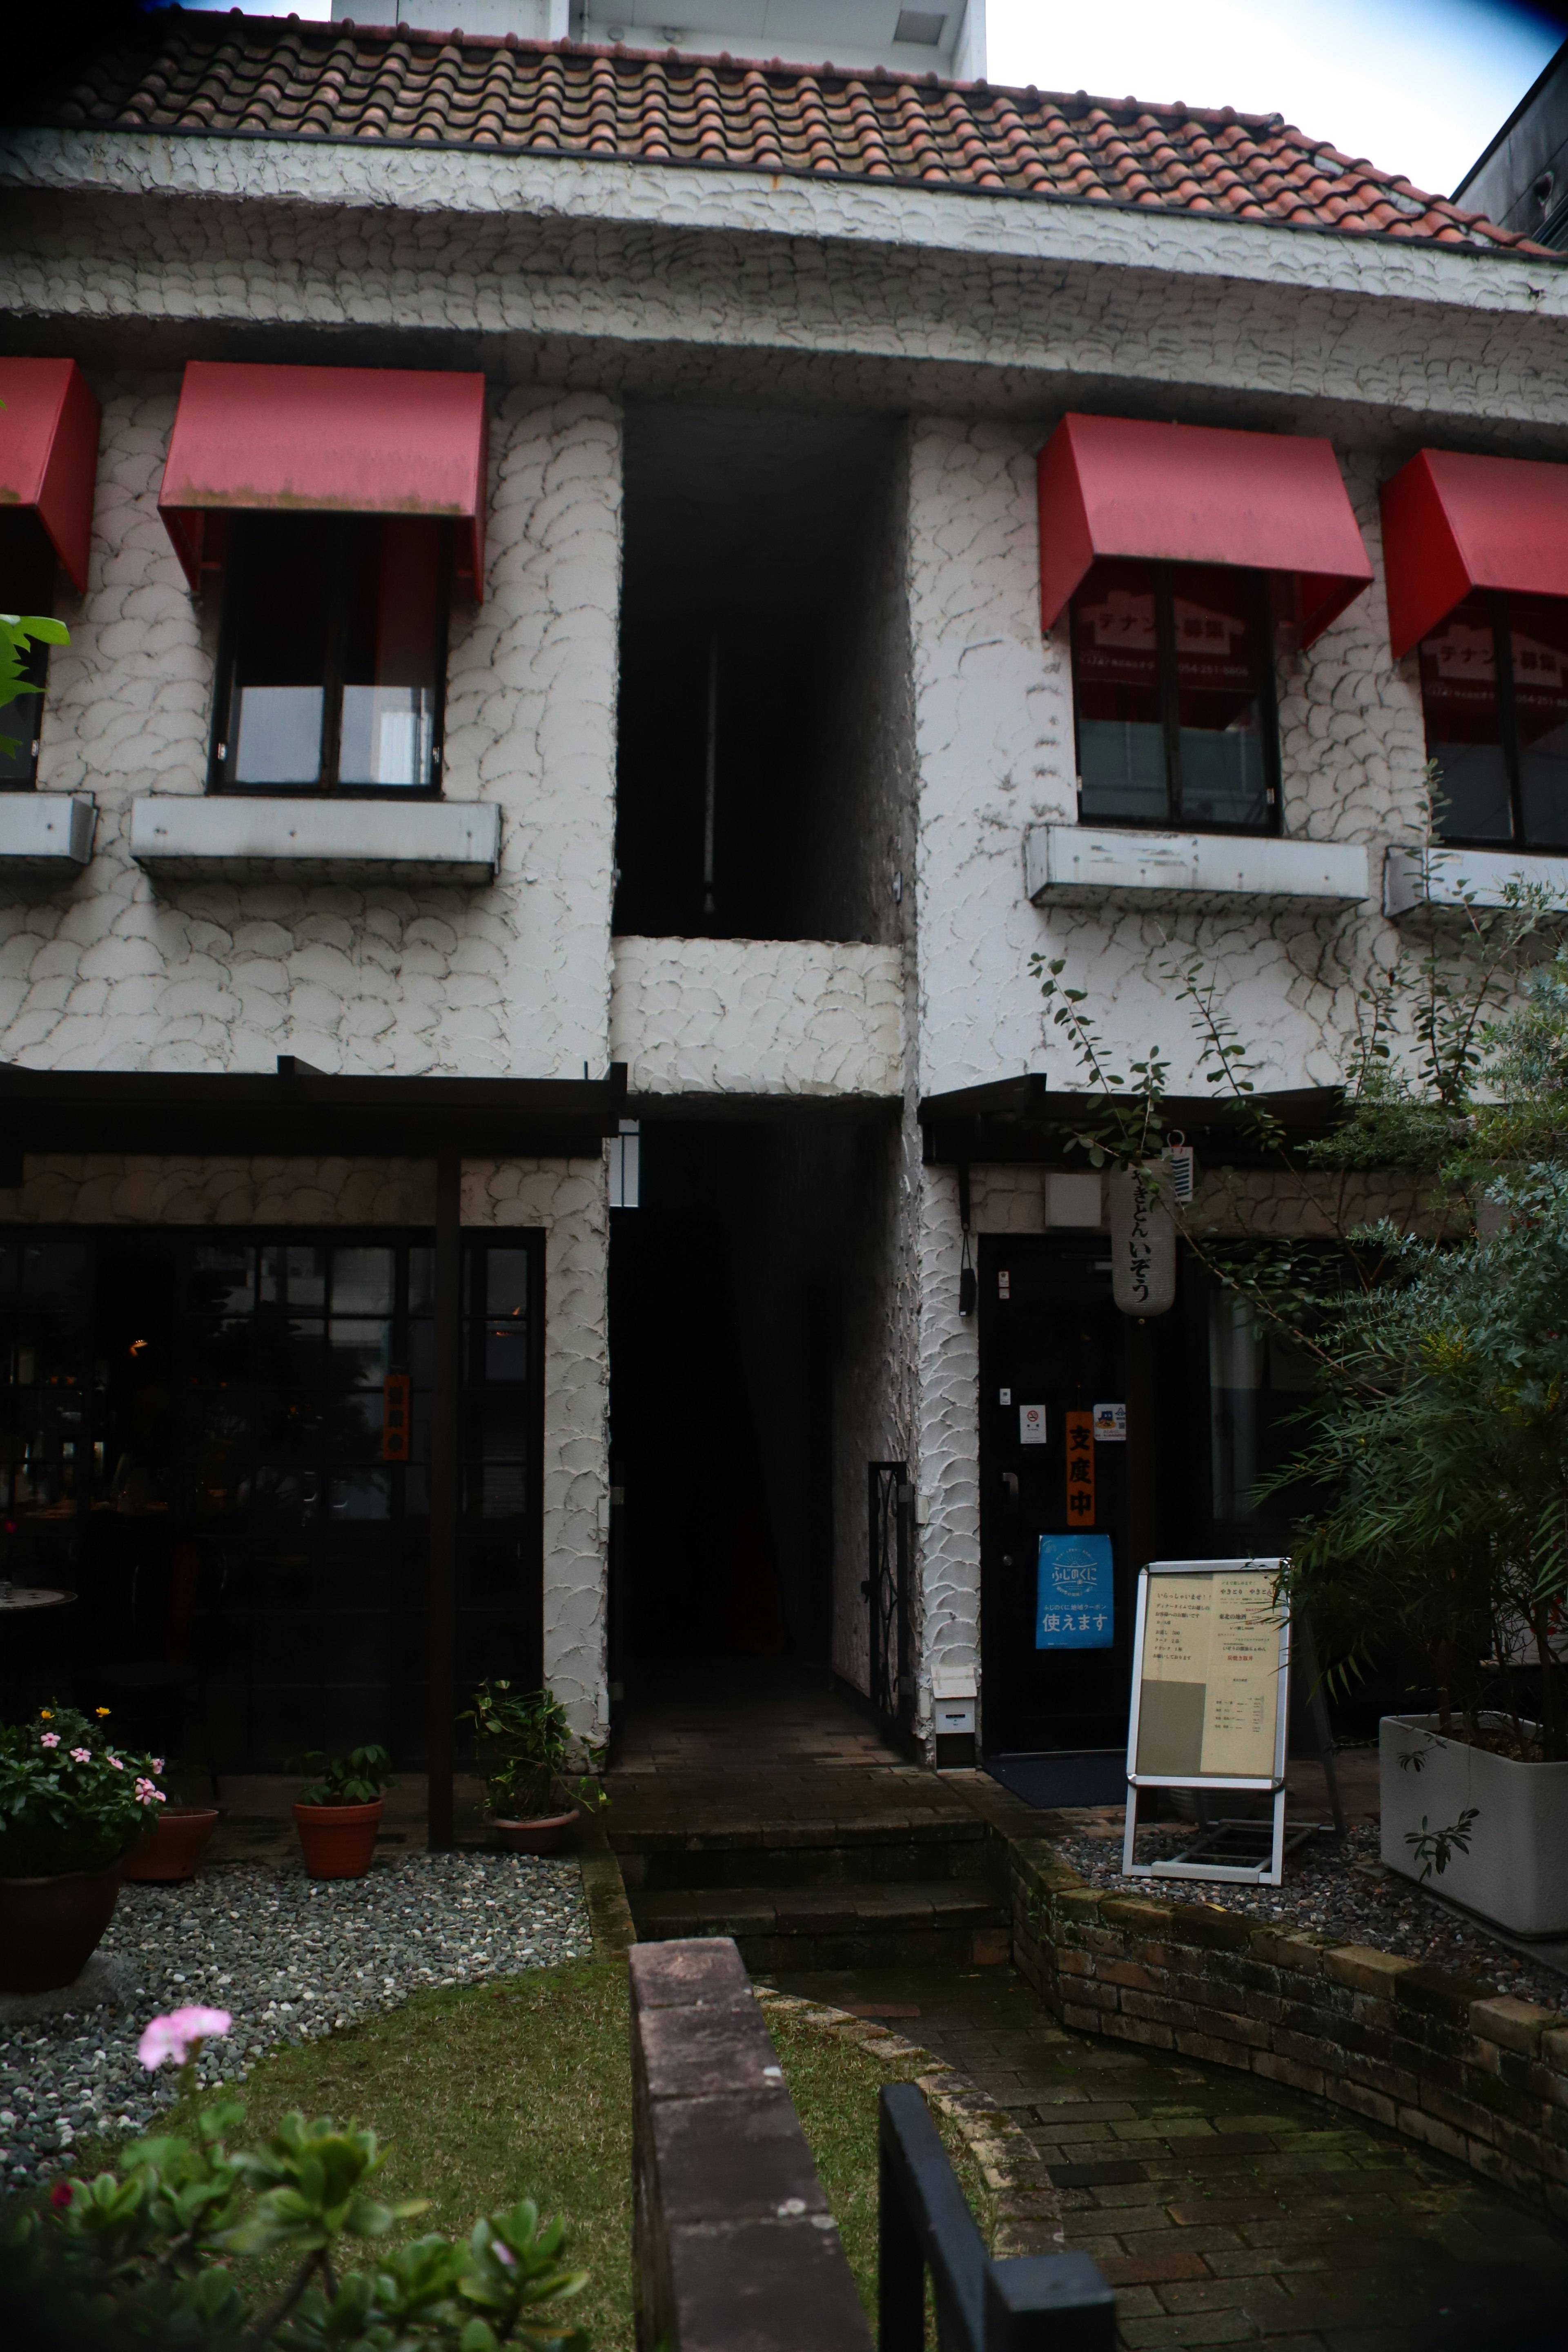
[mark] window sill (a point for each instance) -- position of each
(1072, 864)
(1449, 883)
(46, 835)
(235, 837)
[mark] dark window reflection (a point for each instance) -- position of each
(1173, 686)
(1494, 689)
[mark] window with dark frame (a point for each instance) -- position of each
(1494, 689)
(332, 657)
(27, 565)
(1174, 692)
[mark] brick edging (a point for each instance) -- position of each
(1022, 2213)
(1478, 2077)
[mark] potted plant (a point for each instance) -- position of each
(523, 1744)
(174, 1845)
(339, 1814)
(73, 1805)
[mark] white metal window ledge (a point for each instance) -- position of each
(1451, 883)
(1069, 865)
(190, 838)
(44, 836)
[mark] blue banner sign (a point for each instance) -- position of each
(1076, 1608)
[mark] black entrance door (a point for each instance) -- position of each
(1053, 1350)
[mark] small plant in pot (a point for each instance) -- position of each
(339, 1814)
(73, 1804)
(524, 1747)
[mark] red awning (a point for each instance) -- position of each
(1199, 494)
(400, 441)
(1453, 523)
(49, 452)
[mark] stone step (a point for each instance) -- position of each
(858, 1923)
(779, 1858)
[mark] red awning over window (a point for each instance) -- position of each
(1200, 494)
(1452, 524)
(49, 452)
(395, 441)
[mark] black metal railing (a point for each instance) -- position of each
(1029, 2302)
(886, 1589)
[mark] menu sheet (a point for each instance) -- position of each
(1209, 1682)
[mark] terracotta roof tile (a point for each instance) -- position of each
(257, 76)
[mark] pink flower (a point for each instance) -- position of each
(50, 1739)
(60, 2196)
(177, 2034)
(157, 1763)
(79, 1755)
(149, 1793)
(116, 1764)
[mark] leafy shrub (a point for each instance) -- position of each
(525, 1746)
(70, 1797)
(356, 1779)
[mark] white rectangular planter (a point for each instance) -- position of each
(1075, 864)
(1447, 884)
(235, 835)
(1516, 1872)
(46, 835)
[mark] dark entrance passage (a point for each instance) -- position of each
(725, 1345)
(219, 1441)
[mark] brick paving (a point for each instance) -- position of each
(1227, 2210)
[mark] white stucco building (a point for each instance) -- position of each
(571, 631)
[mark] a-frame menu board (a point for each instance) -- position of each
(1211, 1678)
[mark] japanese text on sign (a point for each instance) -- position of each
(1209, 1680)
(1079, 1427)
(1075, 1604)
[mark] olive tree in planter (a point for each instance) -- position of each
(73, 1806)
(1438, 1435)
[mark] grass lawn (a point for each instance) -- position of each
(495, 2091)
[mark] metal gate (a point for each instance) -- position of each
(886, 1589)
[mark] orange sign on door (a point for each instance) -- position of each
(394, 1417)
(1081, 1469)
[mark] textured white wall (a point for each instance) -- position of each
(113, 971)
(570, 1199)
(807, 1017)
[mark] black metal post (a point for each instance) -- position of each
(442, 1591)
(1143, 1477)
(900, 2265)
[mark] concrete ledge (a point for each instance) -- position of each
(1075, 864)
(794, 1017)
(47, 835)
(1452, 883)
(731, 2238)
(231, 835)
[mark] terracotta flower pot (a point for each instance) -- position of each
(50, 1927)
(339, 1839)
(174, 1845)
(549, 1833)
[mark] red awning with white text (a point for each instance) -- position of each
(1453, 523)
(300, 440)
(1273, 502)
(48, 453)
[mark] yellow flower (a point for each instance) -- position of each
(100, 1710)
(46, 1715)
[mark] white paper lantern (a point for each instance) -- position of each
(1142, 1245)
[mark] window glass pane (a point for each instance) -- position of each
(1220, 628)
(26, 585)
(1464, 735)
(1120, 740)
(282, 573)
(362, 1282)
(1538, 633)
(506, 1281)
(396, 648)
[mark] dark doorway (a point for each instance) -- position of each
(725, 1288)
(219, 1440)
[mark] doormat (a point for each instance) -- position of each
(1065, 1776)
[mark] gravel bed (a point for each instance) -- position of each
(1335, 1887)
(290, 1958)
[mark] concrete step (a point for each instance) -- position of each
(864, 1923)
(802, 1854)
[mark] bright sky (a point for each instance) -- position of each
(1416, 86)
